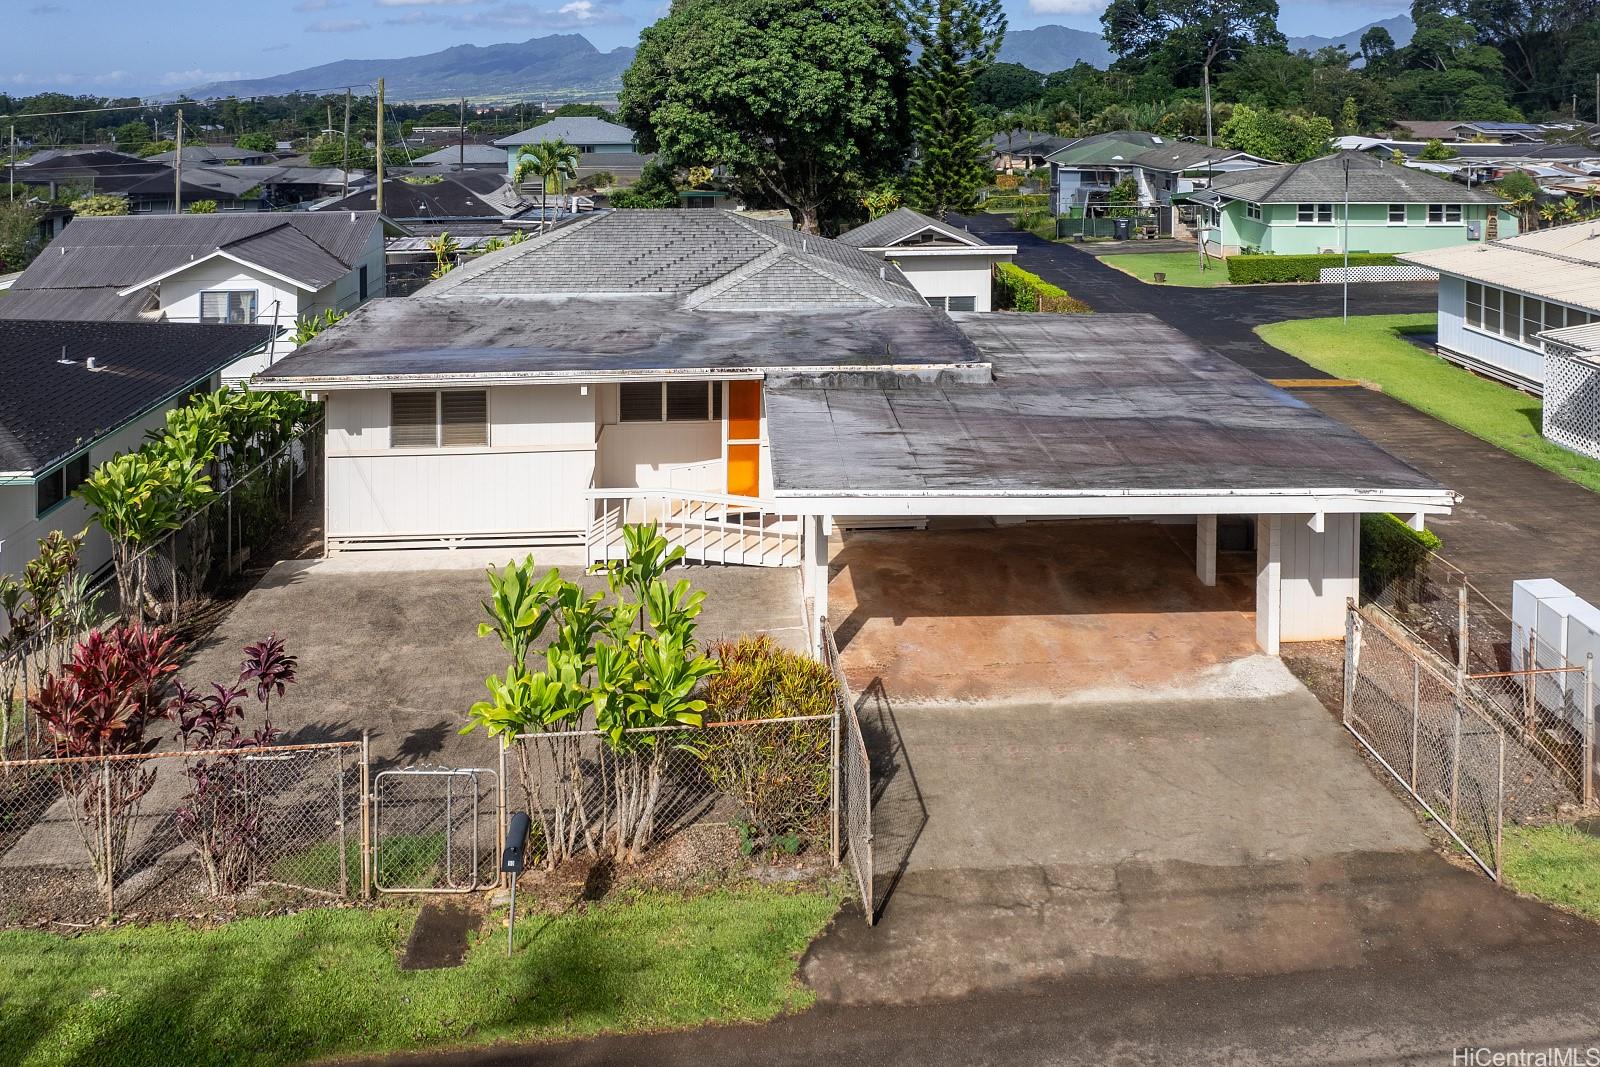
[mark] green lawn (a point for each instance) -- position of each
(1370, 349)
(1182, 268)
(325, 982)
(1557, 864)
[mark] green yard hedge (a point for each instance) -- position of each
(1390, 549)
(1248, 270)
(1004, 202)
(1017, 290)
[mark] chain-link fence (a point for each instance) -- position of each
(590, 794)
(853, 788)
(1438, 605)
(436, 829)
(1474, 749)
(166, 832)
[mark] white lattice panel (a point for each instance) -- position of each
(1572, 403)
(1396, 272)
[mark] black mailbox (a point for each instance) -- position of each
(511, 858)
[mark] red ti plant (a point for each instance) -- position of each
(101, 703)
(221, 815)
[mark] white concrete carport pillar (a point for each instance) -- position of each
(1269, 582)
(1205, 548)
(818, 528)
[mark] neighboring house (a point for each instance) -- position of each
(747, 387)
(950, 267)
(464, 203)
(1299, 209)
(1179, 168)
(1424, 130)
(1496, 298)
(1026, 150)
(466, 157)
(1087, 169)
(56, 174)
(78, 393)
(602, 146)
(249, 268)
(215, 155)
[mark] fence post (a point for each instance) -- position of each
(1455, 762)
(502, 808)
(833, 799)
(1500, 805)
(366, 817)
(1463, 639)
(1349, 658)
(1588, 730)
(227, 561)
(105, 839)
(174, 577)
(1416, 717)
(344, 846)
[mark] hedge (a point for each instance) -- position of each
(1017, 290)
(1016, 201)
(1247, 270)
(1389, 550)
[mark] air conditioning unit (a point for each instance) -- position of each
(1526, 596)
(1474, 231)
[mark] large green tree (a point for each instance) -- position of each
(1188, 35)
(956, 39)
(802, 100)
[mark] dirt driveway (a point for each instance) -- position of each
(387, 646)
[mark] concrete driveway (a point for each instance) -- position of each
(388, 642)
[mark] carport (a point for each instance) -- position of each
(1113, 418)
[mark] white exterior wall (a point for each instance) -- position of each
(1319, 572)
(528, 482)
(947, 275)
(20, 530)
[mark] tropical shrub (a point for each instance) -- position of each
(1250, 270)
(202, 207)
(1391, 551)
(43, 611)
(1017, 202)
(100, 204)
(308, 326)
(1018, 290)
(780, 772)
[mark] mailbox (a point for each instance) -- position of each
(511, 857)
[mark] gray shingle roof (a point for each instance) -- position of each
(1372, 181)
(120, 251)
(50, 410)
(899, 224)
(1183, 155)
(577, 131)
(209, 154)
(474, 153)
(702, 258)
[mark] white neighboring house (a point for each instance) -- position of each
(78, 393)
(950, 267)
(267, 269)
(1496, 298)
(749, 388)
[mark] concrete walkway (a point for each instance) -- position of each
(1222, 319)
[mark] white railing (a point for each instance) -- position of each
(709, 527)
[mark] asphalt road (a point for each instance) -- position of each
(1222, 319)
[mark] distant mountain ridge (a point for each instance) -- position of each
(559, 63)
(1050, 48)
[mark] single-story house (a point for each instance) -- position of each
(1025, 150)
(748, 387)
(1161, 167)
(78, 393)
(214, 155)
(1496, 298)
(1299, 209)
(602, 146)
(465, 157)
(267, 268)
(951, 268)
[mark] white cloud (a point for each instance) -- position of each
(338, 26)
(317, 5)
(571, 15)
(108, 77)
(1066, 7)
(426, 3)
(199, 77)
(414, 18)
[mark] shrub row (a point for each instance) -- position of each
(1017, 202)
(1390, 549)
(1017, 290)
(1247, 270)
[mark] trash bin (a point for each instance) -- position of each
(1122, 229)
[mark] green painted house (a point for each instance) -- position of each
(1299, 209)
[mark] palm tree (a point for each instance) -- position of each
(552, 161)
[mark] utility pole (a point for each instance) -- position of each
(461, 156)
(1346, 241)
(379, 146)
(11, 186)
(345, 169)
(177, 169)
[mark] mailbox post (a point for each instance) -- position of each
(511, 862)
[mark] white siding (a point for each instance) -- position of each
(951, 276)
(1319, 573)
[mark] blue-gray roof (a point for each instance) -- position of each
(577, 131)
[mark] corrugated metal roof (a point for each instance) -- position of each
(1077, 404)
(75, 305)
(50, 410)
(1560, 264)
(1578, 338)
(289, 252)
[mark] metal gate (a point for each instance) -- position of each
(436, 829)
(852, 779)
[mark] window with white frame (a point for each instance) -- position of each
(439, 418)
(1444, 213)
(53, 489)
(1397, 214)
(1252, 211)
(1516, 317)
(228, 306)
(954, 303)
(669, 401)
(1314, 213)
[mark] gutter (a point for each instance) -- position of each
(311, 383)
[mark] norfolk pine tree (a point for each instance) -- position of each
(958, 40)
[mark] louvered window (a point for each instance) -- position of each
(453, 419)
(688, 401)
(228, 306)
(639, 402)
(413, 420)
(464, 419)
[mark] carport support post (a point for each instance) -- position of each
(1205, 548)
(1269, 582)
(817, 561)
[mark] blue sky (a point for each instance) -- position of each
(97, 46)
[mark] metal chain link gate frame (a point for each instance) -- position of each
(852, 778)
(436, 829)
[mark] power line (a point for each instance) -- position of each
(213, 102)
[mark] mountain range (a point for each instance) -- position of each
(567, 65)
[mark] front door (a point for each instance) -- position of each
(744, 438)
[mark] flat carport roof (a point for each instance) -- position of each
(1102, 414)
